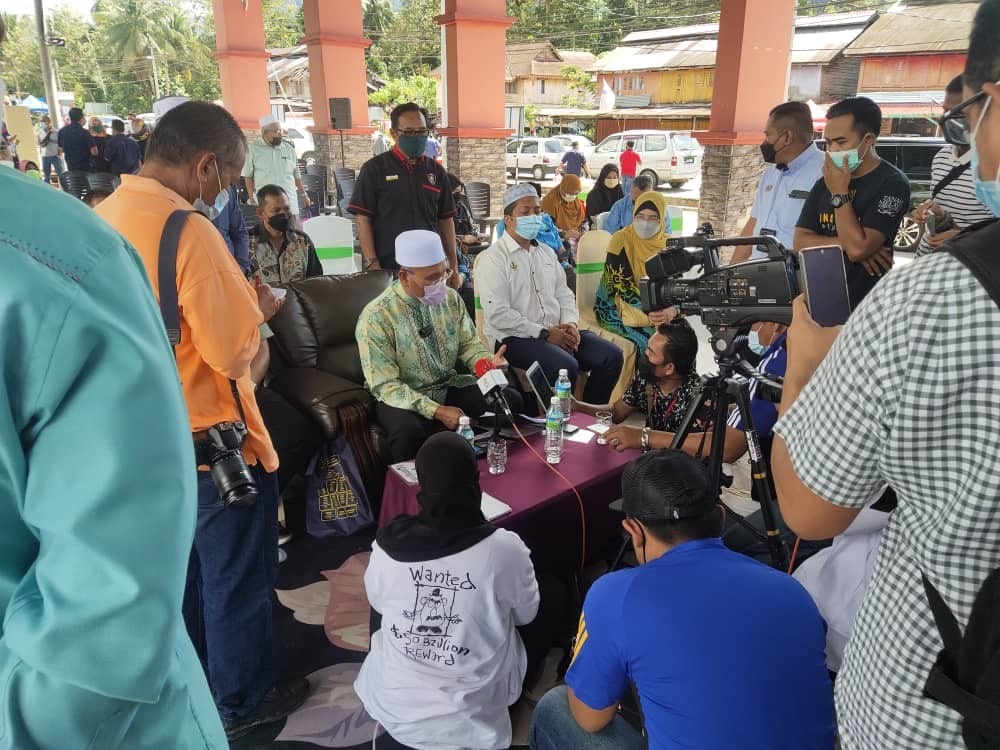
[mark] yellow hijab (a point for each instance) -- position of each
(566, 215)
(637, 251)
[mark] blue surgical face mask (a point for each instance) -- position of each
(755, 344)
(529, 226)
(987, 191)
(221, 200)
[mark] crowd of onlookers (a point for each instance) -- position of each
(140, 445)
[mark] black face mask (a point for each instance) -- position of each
(768, 151)
(280, 222)
(645, 368)
(276, 141)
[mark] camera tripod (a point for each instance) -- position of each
(724, 390)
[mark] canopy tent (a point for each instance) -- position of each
(34, 104)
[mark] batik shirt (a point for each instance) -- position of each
(295, 260)
(410, 351)
(666, 412)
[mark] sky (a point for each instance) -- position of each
(27, 7)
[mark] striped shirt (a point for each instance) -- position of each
(959, 196)
(908, 396)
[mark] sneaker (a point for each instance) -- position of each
(284, 535)
(279, 702)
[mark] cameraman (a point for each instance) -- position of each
(666, 626)
(907, 395)
(193, 156)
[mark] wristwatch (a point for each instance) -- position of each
(841, 199)
(644, 440)
(544, 334)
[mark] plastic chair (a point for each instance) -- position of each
(591, 254)
(250, 217)
(333, 237)
(75, 182)
(675, 220)
(102, 181)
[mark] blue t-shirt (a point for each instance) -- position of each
(725, 652)
(764, 412)
(574, 162)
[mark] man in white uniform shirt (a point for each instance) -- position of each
(528, 307)
(796, 165)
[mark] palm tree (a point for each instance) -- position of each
(140, 30)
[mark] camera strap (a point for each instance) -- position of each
(949, 178)
(975, 249)
(170, 310)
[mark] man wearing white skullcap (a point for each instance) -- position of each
(271, 161)
(529, 309)
(412, 338)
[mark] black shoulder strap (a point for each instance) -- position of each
(977, 253)
(949, 178)
(167, 270)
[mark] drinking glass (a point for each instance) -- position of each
(603, 419)
(496, 455)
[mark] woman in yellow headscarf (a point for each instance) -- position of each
(618, 307)
(563, 204)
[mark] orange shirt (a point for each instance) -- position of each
(219, 311)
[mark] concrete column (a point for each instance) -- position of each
(239, 45)
(751, 77)
(336, 45)
(475, 32)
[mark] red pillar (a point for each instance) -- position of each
(475, 37)
(751, 77)
(239, 44)
(337, 44)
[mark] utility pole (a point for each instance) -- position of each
(156, 77)
(48, 72)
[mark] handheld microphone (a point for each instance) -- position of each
(491, 382)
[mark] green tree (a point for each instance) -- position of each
(411, 45)
(284, 23)
(377, 19)
(416, 88)
(580, 85)
(141, 34)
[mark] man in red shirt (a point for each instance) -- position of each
(630, 161)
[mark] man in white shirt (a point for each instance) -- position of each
(528, 307)
(796, 165)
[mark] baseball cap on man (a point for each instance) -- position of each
(666, 485)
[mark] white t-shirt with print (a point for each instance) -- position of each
(447, 661)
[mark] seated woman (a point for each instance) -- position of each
(618, 308)
(563, 204)
(451, 589)
(662, 390)
(607, 190)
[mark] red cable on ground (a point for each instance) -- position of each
(579, 500)
(795, 551)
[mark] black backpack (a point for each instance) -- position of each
(966, 675)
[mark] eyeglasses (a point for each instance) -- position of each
(955, 123)
(422, 131)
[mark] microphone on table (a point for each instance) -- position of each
(491, 382)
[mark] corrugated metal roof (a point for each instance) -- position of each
(701, 110)
(817, 40)
(915, 27)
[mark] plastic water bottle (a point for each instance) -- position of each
(564, 390)
(465, 430)
(554, 433)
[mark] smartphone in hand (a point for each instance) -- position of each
(823, 280)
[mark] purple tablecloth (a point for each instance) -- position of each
(545, 512)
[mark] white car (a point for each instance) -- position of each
(302, 140)
(667, 155)
(585, 145)
(540, 156)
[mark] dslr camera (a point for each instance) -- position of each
(729, 299)
(219, 449)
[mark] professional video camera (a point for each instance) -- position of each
(727, 298)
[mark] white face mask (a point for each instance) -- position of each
(645, 228)
(568, 198)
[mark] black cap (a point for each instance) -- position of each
(666, 485)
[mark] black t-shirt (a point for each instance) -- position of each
(881, 199)
(398, 196)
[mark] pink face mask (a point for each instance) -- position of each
(435, 294)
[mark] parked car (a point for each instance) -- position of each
(914, 156)
(302, 140)
(667, 155)
(585, 145)
(540, 156)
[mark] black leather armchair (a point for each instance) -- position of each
(315, 363)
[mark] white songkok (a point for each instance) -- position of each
(516, 193)
(419, 248)
(267, 121)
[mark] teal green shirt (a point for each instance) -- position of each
(97, 493)
(409, 371)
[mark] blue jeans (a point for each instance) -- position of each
(228, 598)
(554, 728)
(626, 184)
(597, 356)
(51, 164)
